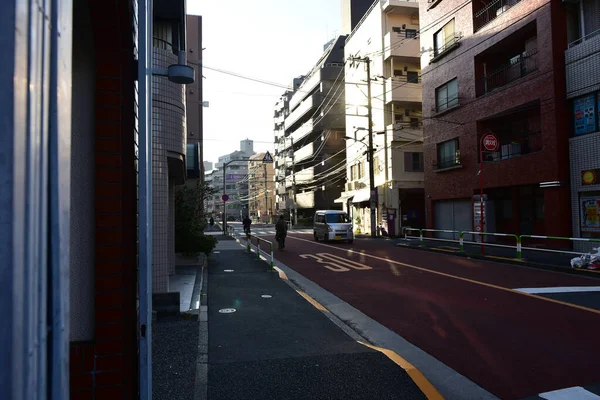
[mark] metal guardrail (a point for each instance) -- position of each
(518, 238)
(231, 231)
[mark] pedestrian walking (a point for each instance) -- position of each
(280, 232)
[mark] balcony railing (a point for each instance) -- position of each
(529, 142)
(514, 70)
(491, 12)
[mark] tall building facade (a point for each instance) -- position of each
(387, 40)
(312, 149)
(582, 59)
(169, 142)
(352, 13)
(495, 68)
(261, 189)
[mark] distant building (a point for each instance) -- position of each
(352, 13)
(236, 182)
(309, 131)
(261, 189)
(208, 166)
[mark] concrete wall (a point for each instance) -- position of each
(83, 221)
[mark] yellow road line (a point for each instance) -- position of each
(504, 258)
(489, 285)
(418, 378)
(312, 301)
(282, 274)
(440, 249)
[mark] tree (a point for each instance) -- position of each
(190, 219)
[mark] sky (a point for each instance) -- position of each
(271, 40)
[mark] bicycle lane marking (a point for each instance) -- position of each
(472, 281)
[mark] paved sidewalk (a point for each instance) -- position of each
(265, 341)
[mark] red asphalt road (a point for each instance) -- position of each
(511, 344)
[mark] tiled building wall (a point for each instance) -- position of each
(168, 118)
(583, 151)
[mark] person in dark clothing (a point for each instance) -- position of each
(280, 232)
(247, 222)
(211, 222)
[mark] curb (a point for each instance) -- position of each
(201, 380)
(523, 263)
(414, 374)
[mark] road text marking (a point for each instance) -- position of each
(504, 289)
(564, 289)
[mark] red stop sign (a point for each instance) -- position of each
(490, 142)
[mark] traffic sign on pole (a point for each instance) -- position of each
(268, 158)
(490, 142)
(225, 197)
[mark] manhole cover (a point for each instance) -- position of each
(227, 310)
(228, 270)
(266, 296)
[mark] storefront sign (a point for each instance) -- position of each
(590, 214)
(584, 113)
(590, 177)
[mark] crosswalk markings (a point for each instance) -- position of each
(569, 394)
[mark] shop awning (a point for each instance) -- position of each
(343, 198)
(361, 196)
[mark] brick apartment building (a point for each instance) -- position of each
(496, 67)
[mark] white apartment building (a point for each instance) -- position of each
(388, 37)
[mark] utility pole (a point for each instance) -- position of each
(294, 183)
(370, 151)
(266, 195)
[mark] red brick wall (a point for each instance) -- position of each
(107, 366)
(546, 86)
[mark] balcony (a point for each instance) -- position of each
(302, 131)
(400, 6)
(329, 71)
(580, 60)
(404, 90)
(305, 152)
(305, 107)
(405, 131)
(515, 69)
(484, 12)
(401, 43)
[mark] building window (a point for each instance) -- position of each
(398, 72)
(446, 96)
(448, 154)
(413, 162)
(444, 39)
(412, 77)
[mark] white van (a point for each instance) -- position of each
(332, 225)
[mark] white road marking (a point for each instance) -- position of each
(564, 289)
(574, 393)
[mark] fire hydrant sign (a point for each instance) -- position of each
(490, 142)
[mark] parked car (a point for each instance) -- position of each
(332, 225)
